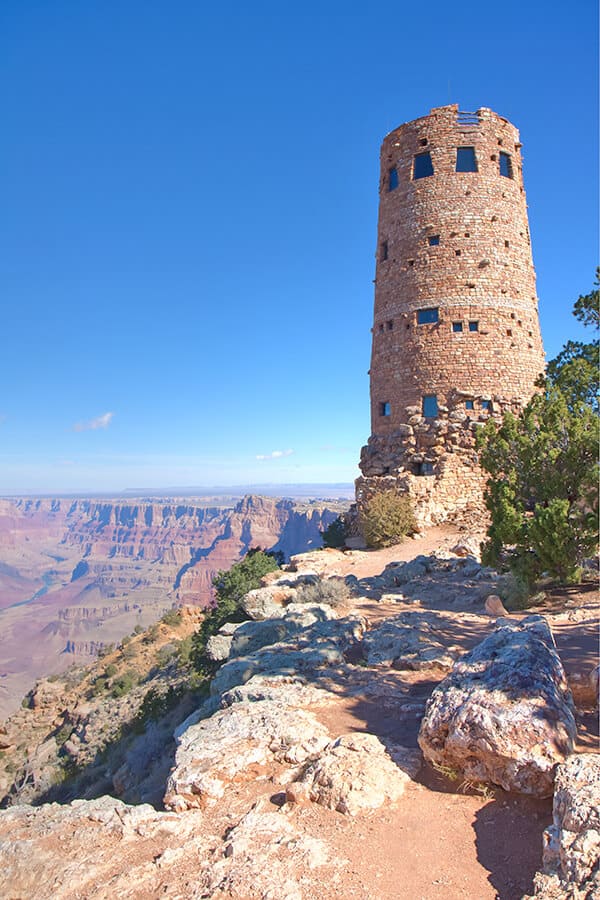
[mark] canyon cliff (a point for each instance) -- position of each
(78, 574)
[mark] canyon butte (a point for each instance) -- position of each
(78, 574)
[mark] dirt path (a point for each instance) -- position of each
(443, 839)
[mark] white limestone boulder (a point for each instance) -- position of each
(412, 640)
(505, 713)
(356, 773)
(310, 650)
(239, 742)
(571, 860)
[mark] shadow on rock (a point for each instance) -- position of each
(507, 829)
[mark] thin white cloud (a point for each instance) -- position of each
(276, 454)
(102, 421)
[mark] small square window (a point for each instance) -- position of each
(509, 332)
(473, 326)
(383, 251)
(469, 404)
(466, 161)
(425, 316)
(486, 404)
(457, 252)
(507, 243)
(423, 142)
(506, 165)
(424, 468)
(423, 166)
(457, 326)
(430, 406)
(434, 240)
(385, 408)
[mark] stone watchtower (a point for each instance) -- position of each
(456, 335)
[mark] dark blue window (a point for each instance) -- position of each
(392, 179)
(423, 165)
(469, 404)
(506, 165)
(457, 326)
(385, 409)
(473, 326)
(430, 406)
(434, 240)
(427, 315)
(466, 161)
(486, 404)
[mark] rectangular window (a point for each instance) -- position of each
(506, 165)
(473, 326)
(457, 326)
(430, 406)
(469, 404)
(385, 409)
(434, 240)
(423, 166)
(424, 316)
(466, 161)
(383, 251)
(392, 179)
(424, 468)
(390, 324)
(486, 404)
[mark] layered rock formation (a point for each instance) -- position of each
(76, 575)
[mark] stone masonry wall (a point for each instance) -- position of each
(457, 243)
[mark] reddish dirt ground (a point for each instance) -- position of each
(443, 839)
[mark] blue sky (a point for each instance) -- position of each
(189, 208)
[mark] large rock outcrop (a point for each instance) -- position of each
(412, 640)
(505, 713)
(310, 650)
(256, 732)
(356, 773)
(571, 864)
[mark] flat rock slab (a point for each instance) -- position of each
(355, 773)
(239, 743)
(309, 650)
(505, 713)
(411, 640)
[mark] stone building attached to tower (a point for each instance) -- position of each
(456, 335)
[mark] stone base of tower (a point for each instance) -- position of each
(457, 497)
(434, 461)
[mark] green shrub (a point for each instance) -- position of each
(124, 683)
(513, 592)
(184, 651)
(230, 588)
(386, 518)
(333, 591)
(110, 670)
(172, 618)
(151, 635)
(99, 685)
(165, 655)
(335, 534)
